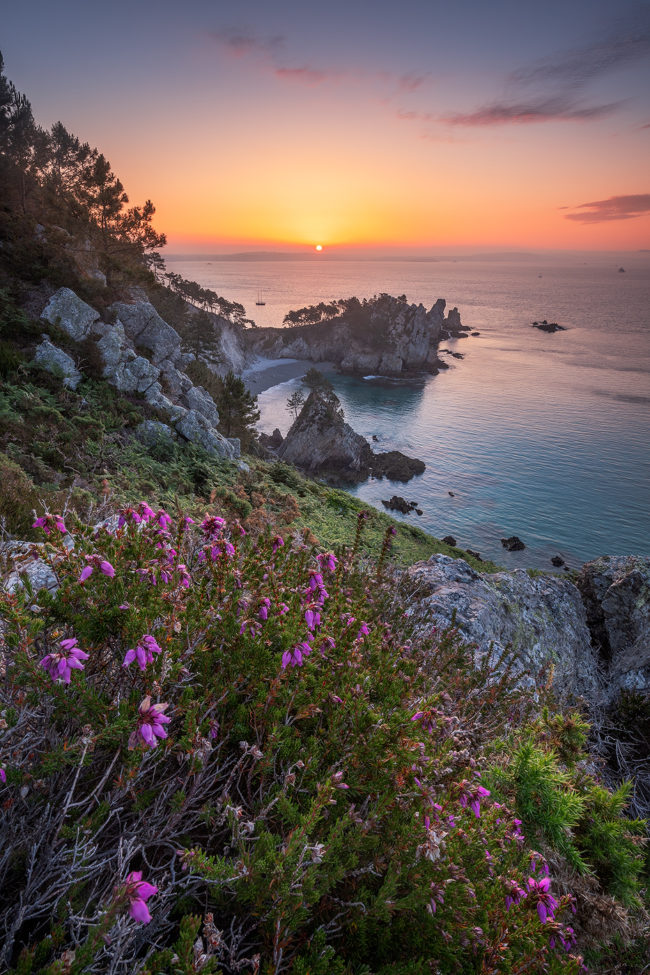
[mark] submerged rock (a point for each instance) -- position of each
(513, 544)
(449, 540)
(549, 326)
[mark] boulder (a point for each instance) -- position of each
(176, 382)
(557, 561)
(155, 397)
(58, 362)
(69, 312)
(195, 428)
(197, 398)
(398, 503)
(146, 329)
(449, 540)
(616, 594)
(537, 621)
(23, 559)
(153, 432)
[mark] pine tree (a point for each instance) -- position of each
(238, 412)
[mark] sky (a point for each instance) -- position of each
(412, 127)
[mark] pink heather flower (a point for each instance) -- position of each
(283, 609)
(185, 578)
(296, 656)
(475, 804)
(327, 560)
(212, 526)
(126, 514)
(278, 542)
(186, 522)
(162, 518)
(107, 569)
(145, 511)
(546, 903)
(139, 891)
(214, 728)
(60, 665)
(363, 631)
(86, 573)
(312, 618)
(151, 724)
(42, 523)
(58, 521)
(263, 611)
(143, 653)
(3, 775)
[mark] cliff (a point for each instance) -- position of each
(139, 353)
(384, 336)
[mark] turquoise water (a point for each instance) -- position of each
(543, 436)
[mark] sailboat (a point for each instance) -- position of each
(260, 300)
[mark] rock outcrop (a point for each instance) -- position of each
(320, 442)
(140, 353)
(616, 594)
(58, 362)
(533, 622)
(385, 336)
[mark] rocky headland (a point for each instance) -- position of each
(384, 336)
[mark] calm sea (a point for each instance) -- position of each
(542, 436)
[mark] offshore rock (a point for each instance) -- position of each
(536, 621)
(320, 442)
(58, 362)
(513, 544)
(66, 310)
(616, 593)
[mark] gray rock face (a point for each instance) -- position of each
(541, 620)
(616, 593)
(58, 362)
(195, 428)
(197, 398)
(128, 372)
(151, 432)
(70, 313)
(144, 327)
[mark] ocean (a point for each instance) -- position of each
(546, 436)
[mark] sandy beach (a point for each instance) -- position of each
(265, 373)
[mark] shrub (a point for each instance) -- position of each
(238, 737)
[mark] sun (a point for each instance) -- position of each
(319, 247)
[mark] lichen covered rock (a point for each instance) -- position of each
(537, 621)
(66, 310)
(58, 362)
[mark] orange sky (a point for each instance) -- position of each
(413, 129)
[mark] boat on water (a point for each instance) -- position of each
(260, 299)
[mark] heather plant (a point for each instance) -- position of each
(226, 753)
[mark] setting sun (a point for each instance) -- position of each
(319, 247)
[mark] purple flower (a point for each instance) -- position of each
(139, 891)
(278, 542)
(475, 804)
(41, 523)
(263, 611)
(60, 665)
(363, 631)
(86, 573)
(143, 653)
(312, 618)
(145, 511)
(45, 522)
(151, 724)
(127, 513)
(212, 526)
(185, 578)
(3, 775)
(327, 560)
(546, 903)
(107, 569)
(162, 518)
